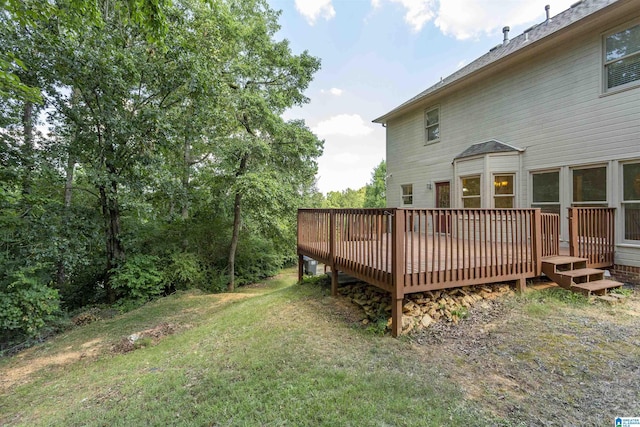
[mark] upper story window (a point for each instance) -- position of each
(622, 58)
(407, 194)
(432, 125)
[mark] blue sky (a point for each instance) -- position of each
(376, 54)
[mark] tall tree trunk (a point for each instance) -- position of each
(111, 215)
(237, 223)
(61, 275)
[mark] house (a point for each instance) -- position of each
(549, 119)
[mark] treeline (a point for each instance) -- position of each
(143, 151)
(371, 195)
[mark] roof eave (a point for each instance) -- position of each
(514, 56)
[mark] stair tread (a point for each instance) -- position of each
(598, 285)
(559, 259)
(580, 272)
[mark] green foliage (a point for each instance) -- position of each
(378, 326)
(375, 191)
(317, 280)
(372, 195)
(348, 198)
(622, 291)
(257, 259)
(543, 301)
(26, 303)
(460, 312)
(162, 115)
(183, 271)
(139, 278)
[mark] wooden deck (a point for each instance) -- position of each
(412, 250)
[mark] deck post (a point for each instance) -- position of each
(397, 271)
(537, 241)
(300, 268)
(573, 232)
(300, 257)
(332, 252)
(521, 284)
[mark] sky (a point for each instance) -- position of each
(376, 54)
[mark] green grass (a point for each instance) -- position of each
(545, 301)
(273, 355)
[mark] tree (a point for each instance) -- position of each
(167, 157)
(348, 198)
(68, 15)
(265, 160)
(375, 193)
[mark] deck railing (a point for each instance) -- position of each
(356, 241)
(550, 234)
(414, 250)
(592, 235)
(456, 247)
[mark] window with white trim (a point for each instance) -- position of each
(631, 200)
(622, 58)
(471, 192)
(432, 125)
(407, 194)
(590, 187)
(546, 191)
(503, 192)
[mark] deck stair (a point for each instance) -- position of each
(572, 273)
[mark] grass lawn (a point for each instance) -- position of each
(269, 355)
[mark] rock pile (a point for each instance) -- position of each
(422, 309)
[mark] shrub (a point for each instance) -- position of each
(256, 259)
(184, 271)
(26, 303)
(138, 279)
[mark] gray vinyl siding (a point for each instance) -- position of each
(553, 106)
(628, 255)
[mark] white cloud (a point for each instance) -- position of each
(342, 124)
(333, 91)
(418, 12)
(464, 19)
(376, 4)
(314, 9)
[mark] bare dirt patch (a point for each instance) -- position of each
(144, 338)
(570, 366)
(531, 362)
(22, 372)
(30, 361)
